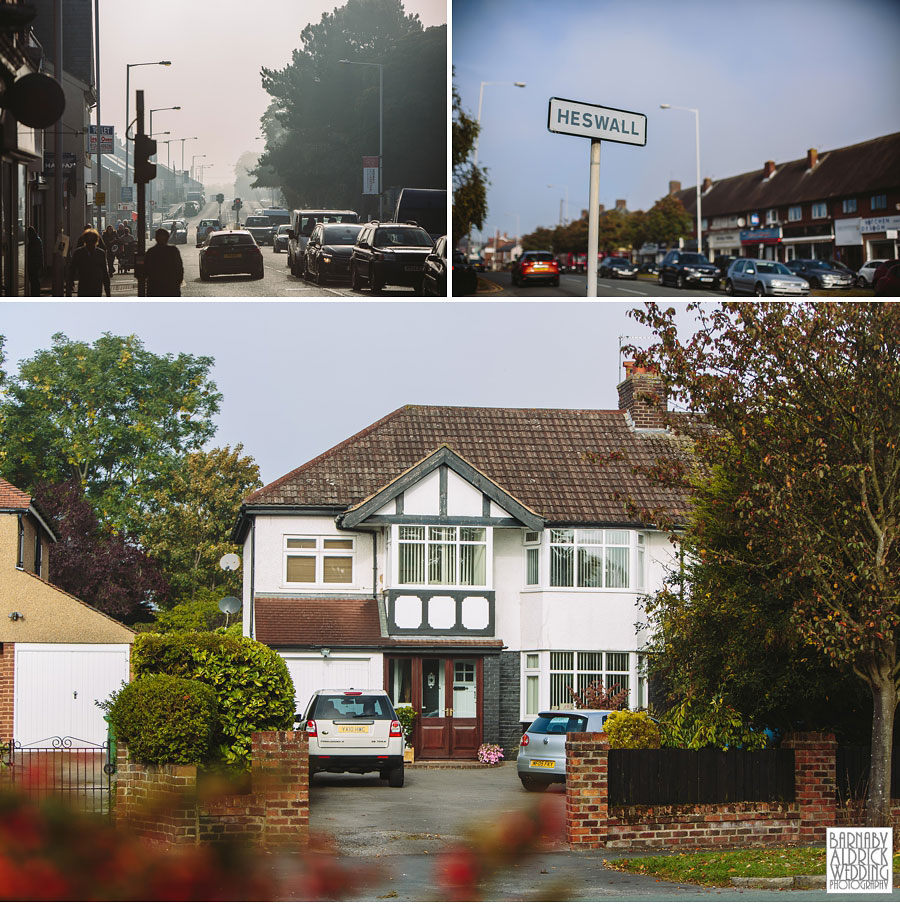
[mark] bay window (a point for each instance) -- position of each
(590, 559)
(576, 670)
(319, 560)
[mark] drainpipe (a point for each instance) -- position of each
(252, 574)
(374, 535)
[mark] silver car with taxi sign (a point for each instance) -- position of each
(542, 750)
(354, 731)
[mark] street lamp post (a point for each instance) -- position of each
(156, 109)
(480, 103)
(563, 221)
(194, 158)
(188, 139)
(128, 68)
(696, 114)
(380, 128)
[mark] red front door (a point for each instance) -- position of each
(446, 694)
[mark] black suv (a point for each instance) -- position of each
(618, 266)
(683, 268)
(389, 254)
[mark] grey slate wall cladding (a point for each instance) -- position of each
(510, 732)
(491, 700)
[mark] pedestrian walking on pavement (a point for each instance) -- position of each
(110, 241)
(34, 256)
(163, 267)
(88, 267)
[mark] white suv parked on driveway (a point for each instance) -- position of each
(354, 731)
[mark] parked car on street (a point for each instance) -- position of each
(231, 252)
(354, 731)
(723, 263)
(618, 266)
(683, 268)
(464, 280)
(887, 283)
(206, 227)
(389, 254)
(303, 221)
(328, 252)
(764, 277)
(542, 750)
(280, 242)
(648, 268)
(820, 274)
(865, 277)
(535, 266)
(434, 277)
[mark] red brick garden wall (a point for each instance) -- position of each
(7, 678)
(162, 803)
(592, 823)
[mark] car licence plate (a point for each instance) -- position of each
(413, 267)
(706, 280)
(542, 764)
(232, 255)
(353, 729)
(539, 267)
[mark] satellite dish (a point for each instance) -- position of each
(741, 222)
(229, 562)
(230, 605)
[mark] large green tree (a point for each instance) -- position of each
(111, 415)
(187, 529)
(805, 401)
(324, 115)
(469, 180)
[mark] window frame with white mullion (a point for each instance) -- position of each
(322, 553)
(577, 669)
(590, 549)
(442, 556)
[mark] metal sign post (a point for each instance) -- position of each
(591, 121)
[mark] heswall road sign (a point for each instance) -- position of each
(576, 118)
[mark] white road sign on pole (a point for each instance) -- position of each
(607, 124)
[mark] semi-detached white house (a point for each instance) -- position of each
(477, 563)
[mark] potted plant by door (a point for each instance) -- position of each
(407, 715)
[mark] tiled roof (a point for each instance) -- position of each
(339, 623)
(318, 622)
(11, 497)
(568, 466)
(861, 168)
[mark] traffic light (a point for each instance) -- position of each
(144, 149)
(220, 197)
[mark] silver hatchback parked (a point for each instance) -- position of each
(542, 750)
(764, 277)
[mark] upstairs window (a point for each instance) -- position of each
(795, 213)
(849, 206)
(819, 210)
(442, 555)
(319, 560)
(878, 201)
(20, 545)
(589, 559)
(532, 543)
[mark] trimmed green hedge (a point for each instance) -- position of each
(631, 730)
(253, 688)
(166, 719)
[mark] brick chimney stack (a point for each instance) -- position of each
(674, 186)
(768, 170)
(707, 185)
(643, 396)
(621, 205)
(812, 157)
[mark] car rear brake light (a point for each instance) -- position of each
(382, 757)
(311, 728)
(396, 731)
(524, 741)
(352, 693)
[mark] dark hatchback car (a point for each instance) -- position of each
(328, 252)
(618, 266)
(434, 278)
(280, 240)
(683, 268)
(536, 266)
(389, 254)
(821, 275)
(231, 252)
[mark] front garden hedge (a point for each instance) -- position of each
(253, 688)
(166, 719)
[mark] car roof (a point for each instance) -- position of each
(575, 711)
(330, 691)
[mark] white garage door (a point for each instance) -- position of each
(312, 674)
(56, 685)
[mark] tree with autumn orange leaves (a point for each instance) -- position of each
(804, 402)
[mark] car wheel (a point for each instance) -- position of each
(659, 279)
(376, 282)
(759, 289)
(203, 275)
(729, 287)
(861, 282)
(320, 278)
(533, 784)
(680, 282)
(395, 778)
(260, 274)
(355, 282)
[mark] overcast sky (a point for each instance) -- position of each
(771, 79)
(217, 48)
(299, 377)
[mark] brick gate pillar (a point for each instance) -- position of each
(815, 772)
(587, 797)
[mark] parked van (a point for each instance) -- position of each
(277, 216)
(425, 207)
(303, 222)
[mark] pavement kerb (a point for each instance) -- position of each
(800, 881)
